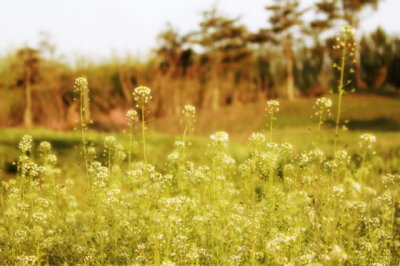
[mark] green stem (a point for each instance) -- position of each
(130, 146)
(83, 125)
(270, 127)
(109, 160)
(341, 91)
(143, 136)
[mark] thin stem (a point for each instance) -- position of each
(270, 127)
(83, 125)
(109, 160)
(130, 146)
(341, 91)
(319, 125)
(143, 136)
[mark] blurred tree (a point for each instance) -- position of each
(329, 11)
(314, 59)
(263, 80)
(225, 50)
(26, 70)
(175, 56)
(51, 88)
(285, 17)
(376, 52)
(394, 66)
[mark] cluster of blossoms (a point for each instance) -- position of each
(189, 117)
(345, 39)
(132, 116)
(99, 175)
(80, 85)
(110, 142)
(220, 137)
(322, 108)
(142, 95)
(272, 107)
(257, 139)
(367, 140)
(44, 147)
(189, 112)
(25, 144)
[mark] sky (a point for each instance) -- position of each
(102, 28)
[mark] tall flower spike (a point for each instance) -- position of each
(345, 43)
(142, 96)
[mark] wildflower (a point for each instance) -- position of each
(189, 111)
(142, 94)
(323, 107)
(44, 147)
(26, 143)
(367, 140)
(220, 137)
(109, 142)
(51, 159)
(338, 254)
(99, 174)
(174, 156)
(80, 85)
(179, 144)
(342, 157)
(257, 139)
(272, 107)
(132, 116)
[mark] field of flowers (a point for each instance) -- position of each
(277, 205)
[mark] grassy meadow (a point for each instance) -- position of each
(282, 196)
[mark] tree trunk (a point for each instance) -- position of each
(28, 99)
(289, 69)
(215, 93)
(360, 83)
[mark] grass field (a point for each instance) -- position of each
(294, 199)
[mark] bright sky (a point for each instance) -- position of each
(98, 28)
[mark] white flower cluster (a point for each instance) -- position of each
(110, 142)
(142, 94)
(272, 107)
(220, 137)
(99, 175)
(257, 139)
(323, 107)
(26, 143)
(367, 140)
(189, 111)
(44, 147)
(132, 116)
